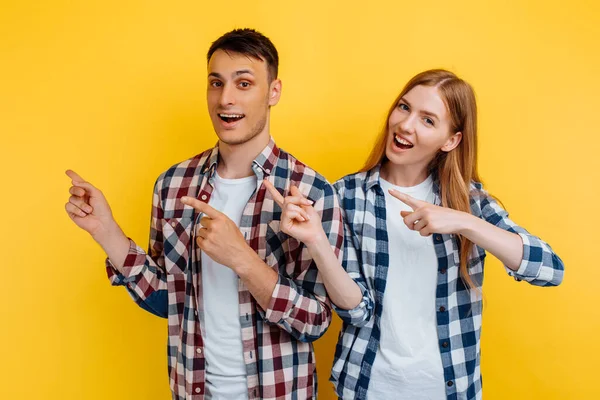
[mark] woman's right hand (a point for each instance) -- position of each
(298, 217)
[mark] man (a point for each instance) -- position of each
(243, 300)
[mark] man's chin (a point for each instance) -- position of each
(233, 137)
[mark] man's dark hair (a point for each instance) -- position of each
(250, 43)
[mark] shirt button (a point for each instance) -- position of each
(443, 271)
(437, 238)
(199, 350)
(268, 171)
(198, 390)
(450, 383)
(203, 197)
(444, 345)
(173, 224)
(442, 309)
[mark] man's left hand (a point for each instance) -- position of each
(219, 237)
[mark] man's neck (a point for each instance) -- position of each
(235, 161)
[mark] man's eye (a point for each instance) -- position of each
(216, 84)
(245, 84)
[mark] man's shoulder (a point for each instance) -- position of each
(176, 174)
(300, 174)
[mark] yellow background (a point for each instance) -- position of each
(116, 91)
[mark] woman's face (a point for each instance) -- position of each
(419, 127)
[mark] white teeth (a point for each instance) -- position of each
(402, 141)
(231, 115)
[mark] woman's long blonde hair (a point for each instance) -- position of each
(456, 169)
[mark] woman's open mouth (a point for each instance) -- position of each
(402, 143)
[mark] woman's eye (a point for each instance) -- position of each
(428, 121)
(403, 107)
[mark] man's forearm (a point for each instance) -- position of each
(115, 245)
(259, 278)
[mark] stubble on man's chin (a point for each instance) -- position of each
(254, 132)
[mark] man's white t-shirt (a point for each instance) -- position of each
(223, 351)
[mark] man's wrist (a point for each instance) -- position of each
(109, 233)
(247, 262)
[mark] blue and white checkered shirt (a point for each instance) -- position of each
(458, 309)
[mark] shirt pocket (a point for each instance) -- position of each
(477, 256)
(177, 234)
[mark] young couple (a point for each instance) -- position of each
(250, 249)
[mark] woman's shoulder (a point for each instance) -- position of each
(351, 182)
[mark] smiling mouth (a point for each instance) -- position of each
(230, 117)
(402, 143)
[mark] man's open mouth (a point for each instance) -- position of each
(231, 117)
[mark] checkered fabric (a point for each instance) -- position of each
(366, 259)
(166, 280)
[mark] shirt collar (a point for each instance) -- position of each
(263, 164)
(373, 176)
(266, 161)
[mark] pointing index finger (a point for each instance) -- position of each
(406, 199)
(279, 199)
(201, 206)
(74, 176)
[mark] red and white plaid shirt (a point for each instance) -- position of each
(166, 280)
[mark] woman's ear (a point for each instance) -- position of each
(452, 142)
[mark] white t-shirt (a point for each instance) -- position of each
(408, 364)
(225, 367)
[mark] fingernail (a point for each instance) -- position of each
(309, 202)
(89, 210)
(184, 199)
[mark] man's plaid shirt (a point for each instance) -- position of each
(166, 280)
(366, 259)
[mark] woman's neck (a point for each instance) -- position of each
(403, 175)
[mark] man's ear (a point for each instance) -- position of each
(274, 92)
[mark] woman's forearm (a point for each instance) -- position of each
(505, 245)
(342, 290)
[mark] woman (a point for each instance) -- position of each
(418, 225)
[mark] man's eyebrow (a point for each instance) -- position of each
(243, 71)
(236, 73)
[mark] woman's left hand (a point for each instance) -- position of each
(427, 218)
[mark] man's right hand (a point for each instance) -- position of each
(88, 208)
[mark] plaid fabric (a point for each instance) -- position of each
(458, 310)
(166, 281)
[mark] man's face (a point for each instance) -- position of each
(239, 95)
